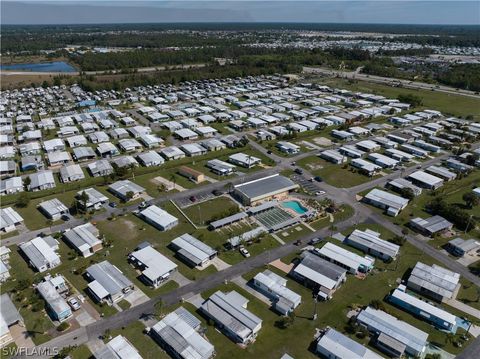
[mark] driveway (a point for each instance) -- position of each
(136, 297)
(463, 307)
(196, 300)
(219, 264)
(20, 336)
(286, 268)
(83, 318)
(242, 283)
(180, 279)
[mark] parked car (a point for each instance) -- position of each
(65, 217)
(318, 178)
(298, 171)
(269, 152)
(244, 251)
(143, 205)
(73, 302)
(217, 192)
(315, 240)
(192, 199)
(113, 204)
(319, 193)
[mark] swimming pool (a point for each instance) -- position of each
(296, 206)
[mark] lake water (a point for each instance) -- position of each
(56, 66)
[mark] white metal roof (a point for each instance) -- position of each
(157, 264)
(345, 257)
(424, 306)
(403, 332)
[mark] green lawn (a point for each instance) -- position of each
(216, 208)
(469, 294)
(81, 352)
(333, 174)
(9, 350)
(124, 304)
(34, 219)
(255, 248)
(463, 105)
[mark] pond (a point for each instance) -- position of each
(55, 66)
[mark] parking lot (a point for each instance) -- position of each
(198, 198)
(307, 186)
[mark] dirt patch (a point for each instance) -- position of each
(127, 228)
(313, 166)
(322, 141)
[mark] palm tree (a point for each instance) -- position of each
(229, 187)
(83, 198)
(449, 338)
(332, 229)
(49, 224)
(26, 182)
(131, 167)
(173, 179)
(158, 309)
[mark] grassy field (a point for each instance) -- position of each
(333, 174)
(81, 352)
(34, 219)
(216, 208)
(456, 105)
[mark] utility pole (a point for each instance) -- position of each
(468, 223)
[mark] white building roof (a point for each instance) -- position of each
(342, 347)
(182, 337)
(347, 258)
(193, 249)
(158, 216)
(9, 217)
(118, 348)
(403, 332)
(435, 278)
(425, 307)
(425, 178)
(157, 265)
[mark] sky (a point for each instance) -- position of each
(162, 11)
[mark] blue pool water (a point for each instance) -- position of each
(56, 66)
(296, 206)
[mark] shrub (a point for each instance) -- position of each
(63, 326)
